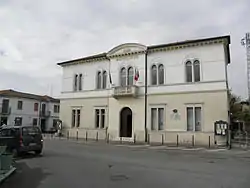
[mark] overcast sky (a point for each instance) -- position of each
(36, 34)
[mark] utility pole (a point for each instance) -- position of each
(246, 42)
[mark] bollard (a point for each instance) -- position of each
(97, 136)
(120, 140)
(76, 135)
(162, 139)
(177, 140)
(86, 136)
(134, 138)
(193, 140)
(108, 138)
(67, 134)
(148, 138)
(209, 142)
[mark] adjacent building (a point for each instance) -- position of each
(18, 108)
(137, 92)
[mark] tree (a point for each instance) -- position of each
(236, 110)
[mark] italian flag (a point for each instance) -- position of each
(136, 74)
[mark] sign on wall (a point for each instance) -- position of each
(175, 115)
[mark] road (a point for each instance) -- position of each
(68, 164)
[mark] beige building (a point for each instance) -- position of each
(159, 93)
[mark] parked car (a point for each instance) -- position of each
(22, 139)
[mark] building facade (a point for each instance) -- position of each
(28, 109)
(142, 92)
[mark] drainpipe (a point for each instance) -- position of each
(146, 96)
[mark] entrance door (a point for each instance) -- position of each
(126, 122)
(43, 125)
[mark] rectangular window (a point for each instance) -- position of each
(97, 119)
(20, 105)
(160, 118)
(5, 106)
(18, 121)
(153, 118)
(157, 119)
(78, 119)
(73, 118)
(56, 108)
(80, 82)
(36, 107)
(34, 123)
(194, 118)
(55, 123)
(100, 118)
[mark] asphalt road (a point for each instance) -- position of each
(67, 164)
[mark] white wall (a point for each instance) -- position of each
(27, 112)
(213, 75)
(88, 70)
(211, 57)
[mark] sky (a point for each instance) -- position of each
(35, 35)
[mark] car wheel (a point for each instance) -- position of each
(38, 152)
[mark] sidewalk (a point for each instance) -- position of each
(138, 145)
(5, 174)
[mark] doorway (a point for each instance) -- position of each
(43, 125)
(126, 122)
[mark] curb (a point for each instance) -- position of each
(141, 146)
(3, 177)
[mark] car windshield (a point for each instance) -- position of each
(8, 132)
(30, 130)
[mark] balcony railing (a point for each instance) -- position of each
(5, 111)
(125, 91)
(45, 113)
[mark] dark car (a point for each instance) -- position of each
(22, 139)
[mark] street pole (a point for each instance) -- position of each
(246, 42)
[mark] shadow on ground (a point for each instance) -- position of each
(25, 176)
(27, 156)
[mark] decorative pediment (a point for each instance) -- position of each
(127, 49)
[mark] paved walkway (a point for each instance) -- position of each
(67, 164)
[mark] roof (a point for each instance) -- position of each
(152, 47)
(13, 93)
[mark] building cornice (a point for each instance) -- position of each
(141, 49)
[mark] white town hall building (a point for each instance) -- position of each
(148, 92)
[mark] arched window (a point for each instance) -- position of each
(99, 80)
(154, 75)
(189, 75)
(197, 76)
(104, 80)
(123, 77)
(130, 76)
(160, 74)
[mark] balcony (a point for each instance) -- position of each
(5, 110)
(45, 113)
(125, 91)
